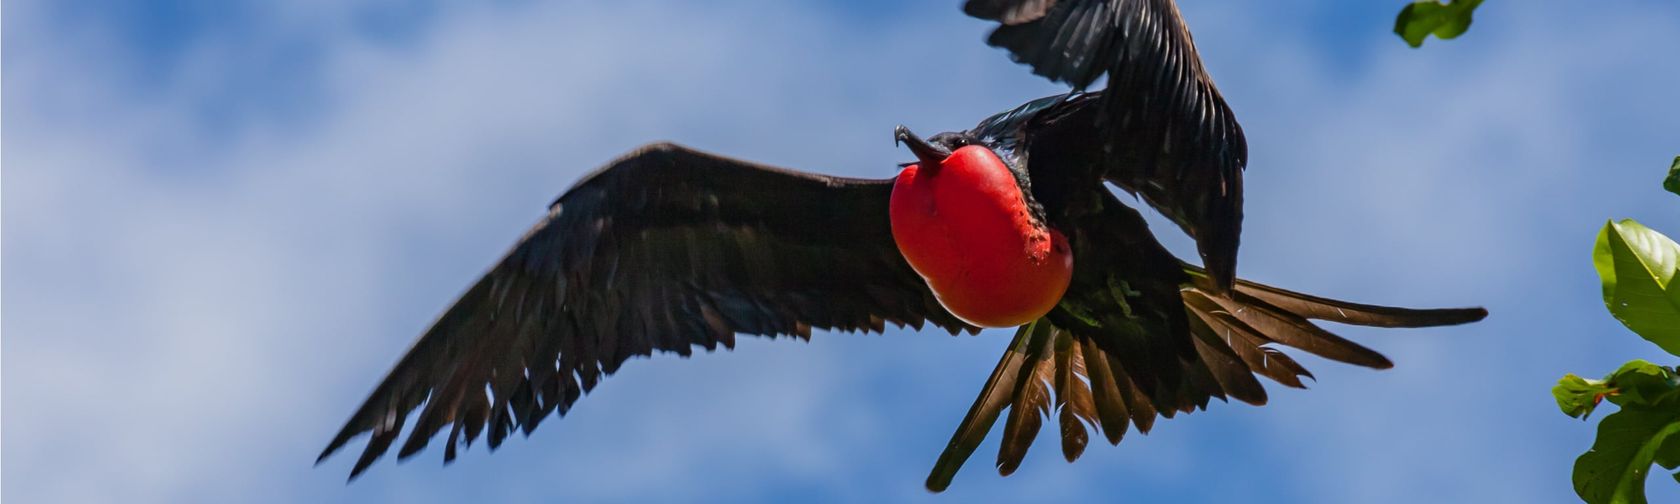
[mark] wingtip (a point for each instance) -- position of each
(1221, 283)
(1008, 467)
(945, 469)
(1453, 316)
(331, 449)
(355, 473)
(362, 465)
(1072, 454)
(937, 483)
(1114, 436)
(410, 448)
(1370, 359)
(338, 441)
(1221, 264)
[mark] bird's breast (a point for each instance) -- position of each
(965, 227)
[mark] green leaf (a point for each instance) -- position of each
(1672, 183)
(1577, 396)
(1424, 17)
(1641, 383)
(1637, 383)
(1614, 470)
(1668, 455)
(1636, 266)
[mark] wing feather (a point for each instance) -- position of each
(1074, 400)
(999, 391)
(662, 250)
(1031, 399)
(1160, 128)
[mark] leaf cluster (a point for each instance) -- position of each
(1637, 267)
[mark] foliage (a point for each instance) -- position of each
(1672, 184)
(1638, 267)
(1630, 440)
(1424, 17)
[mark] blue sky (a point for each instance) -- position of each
(223, 221)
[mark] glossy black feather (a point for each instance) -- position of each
(1159, 129)
(1008, 11)
(663, 250)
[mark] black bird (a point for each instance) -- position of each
(1005, 224)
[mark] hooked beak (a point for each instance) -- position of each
(929, 154)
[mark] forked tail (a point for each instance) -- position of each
(1049, 371)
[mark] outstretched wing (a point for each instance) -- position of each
(665, 249)
(1141, 335)
(1165, 131)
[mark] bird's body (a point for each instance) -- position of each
(1009, 223)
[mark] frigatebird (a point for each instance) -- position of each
(1007, 224)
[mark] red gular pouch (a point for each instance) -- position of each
(964, 226)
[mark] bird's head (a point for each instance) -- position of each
(932, 151)
(964, 220)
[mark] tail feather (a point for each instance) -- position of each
(1294, 330)
(1249, 345)
(1228, 369)
(1050, 370)
(1110, 400)
(1074, 399)
(1001, 389)
(1332, 310)
(1032, 400)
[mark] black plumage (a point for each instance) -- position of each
(1154, 337)
(668, 248)
(665, 249)
(1159, 128)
